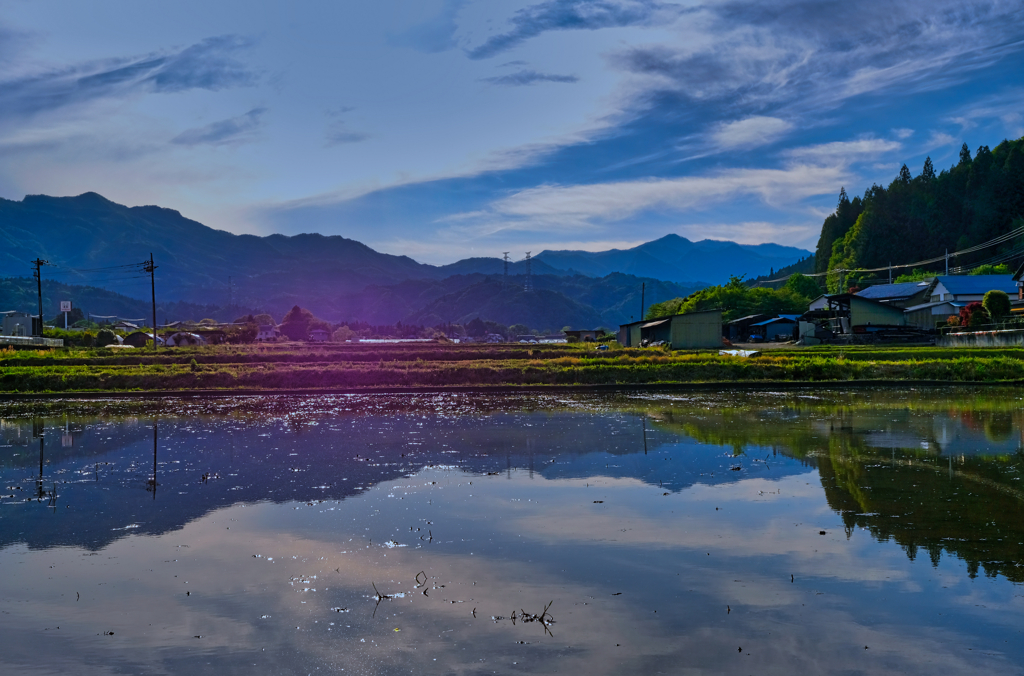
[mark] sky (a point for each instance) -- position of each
(444, 129)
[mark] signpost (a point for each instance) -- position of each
(65, 307)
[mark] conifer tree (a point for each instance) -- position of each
(928, 173)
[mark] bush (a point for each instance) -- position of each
(997, 304)
(105, 337)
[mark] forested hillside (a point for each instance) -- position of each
(923, 216)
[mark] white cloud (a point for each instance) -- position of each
(903, 133)
(575, 206)
(750, 132)
(939, 139)
(844, 152)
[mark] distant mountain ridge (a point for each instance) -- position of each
(677, 259)
(342, 279)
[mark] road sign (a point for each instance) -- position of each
(65, 306)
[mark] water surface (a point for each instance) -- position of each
(764, 533)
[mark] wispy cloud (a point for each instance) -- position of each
(755, 54)
(436, 34)
(338, 132)
(528, 77)
(750, 132)
(561, 15)
(230, 131)
(210, 64)
(555, 206)
(844, 152)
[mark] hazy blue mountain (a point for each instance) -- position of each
(337, 278)
(677, 259)
(615, 299)
(491, 300)
(89, 231)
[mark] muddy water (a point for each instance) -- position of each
(769, 533)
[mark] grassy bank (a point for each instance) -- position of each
(391, 366)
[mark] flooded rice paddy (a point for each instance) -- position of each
(763, 533)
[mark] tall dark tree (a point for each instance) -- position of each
(835, 228)
(904, 177)
(928, 172)
(965, 155)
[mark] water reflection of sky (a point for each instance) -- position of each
(668, 560)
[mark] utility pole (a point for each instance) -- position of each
(890, 272)
(504, 282)
(39, 288)
(229, 293)
(947, 262)
(643, 289)
(529, 285)
(150, 268)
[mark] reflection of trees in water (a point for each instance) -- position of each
(908, 491)
(966, 507)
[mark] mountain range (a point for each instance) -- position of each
(84, 238)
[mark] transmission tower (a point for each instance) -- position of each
(529, 282)
(504, 282)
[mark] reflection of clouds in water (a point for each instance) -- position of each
(523, 559)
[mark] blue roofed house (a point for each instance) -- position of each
(952, 292)
(902, 295)
(780, 328)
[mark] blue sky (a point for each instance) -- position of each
(450, 128)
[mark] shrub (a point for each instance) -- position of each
(105, 337)
(996, 303)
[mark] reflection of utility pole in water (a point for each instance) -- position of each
(39, 481)
(645, 434)
(152, 484)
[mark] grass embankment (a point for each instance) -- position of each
(292, 367)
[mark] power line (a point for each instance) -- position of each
(984, 245)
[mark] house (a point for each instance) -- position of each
(584, 335)
(687, 331)
(971, 288)
(848, 313)
(319, 335)
(780, 328)
(902, 295)
(18, 324)
(932, 315)
(268, 332)
(125, 326)
(1018, 279)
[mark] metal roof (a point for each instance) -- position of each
(892, 291)
(775, 320)
(974, 285)
(657, 323)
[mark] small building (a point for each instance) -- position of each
(738, 330)
(18, 324)
(692, 330)
(583, 335)
(780, 328)
(971, 288)
(268, 332)
(319, 336)
(125, 326)
(932, 315)
(902, 295)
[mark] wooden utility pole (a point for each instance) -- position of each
(150, 268)
(643, 289)
(39, 288)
